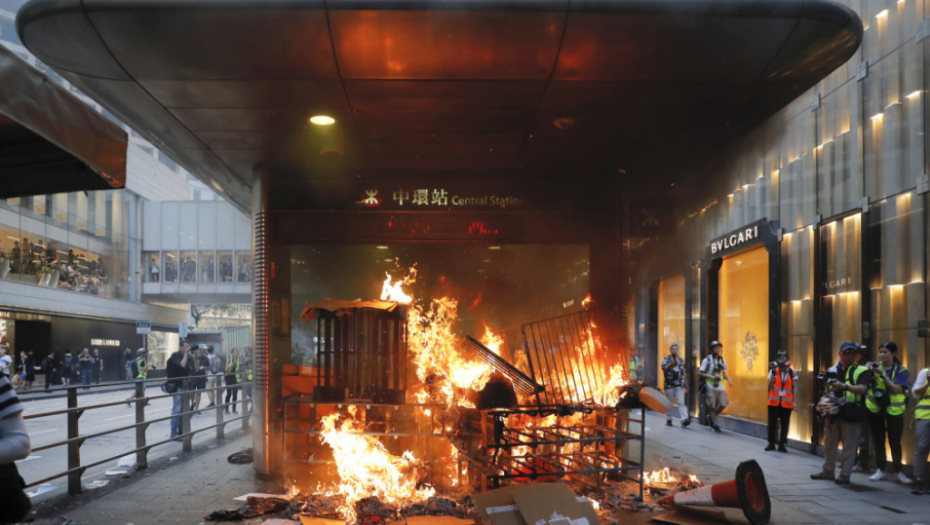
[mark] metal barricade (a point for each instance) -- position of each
(76, 469)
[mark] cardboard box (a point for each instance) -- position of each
(534, 504)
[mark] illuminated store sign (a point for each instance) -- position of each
(433, 198)
(104, 342)
(6, 315)
(735, 239)
(837, 284)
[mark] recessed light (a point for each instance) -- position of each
(322, 120)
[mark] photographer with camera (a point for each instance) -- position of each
(886, 403)
(713, 371)
(673, 368)
(781, 400)
(843, 411)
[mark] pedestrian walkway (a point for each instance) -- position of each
(796, 498)
(184, 493)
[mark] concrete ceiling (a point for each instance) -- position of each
(578, 87)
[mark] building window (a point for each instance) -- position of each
(243, 267)
(207, 267)
(153, 268)
(170, 267)
(188, 267)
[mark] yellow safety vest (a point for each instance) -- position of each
(922, 410)
(896, 408)
(248, 369)
(857, 371)
(634, 368)
(140, 366)
(234, 369)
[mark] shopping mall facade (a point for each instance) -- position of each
(753, 172)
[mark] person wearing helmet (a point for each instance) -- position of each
(713, 372)
(848, 388)
(781, 400)
(676, 385)
(139, 371)
(886, 400)
(922, 415)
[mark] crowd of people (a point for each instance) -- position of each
(862, 408)
(63, 370)
(76, 272)
(187, 271)
(203, 370)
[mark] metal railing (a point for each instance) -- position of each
(75, 440)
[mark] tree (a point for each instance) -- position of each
(215, 309)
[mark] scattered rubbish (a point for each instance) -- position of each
(42, 489)
(173, 458)
(253, 507)
(245, 497)
(242, 457)
(117, 472)
(127, 461)
(279, 521)
(97, 484)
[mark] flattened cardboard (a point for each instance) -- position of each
(307, 520)
(693, 516)
(534, 504)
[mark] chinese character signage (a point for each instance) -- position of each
(433, 198)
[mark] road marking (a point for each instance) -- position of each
(43, 431)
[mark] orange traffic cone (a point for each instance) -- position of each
(747, 492)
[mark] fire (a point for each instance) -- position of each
(491, 340)
(434, 345)
(393, 290)
(587, 302)
(607, 393)
(667, 476)
(366, 468)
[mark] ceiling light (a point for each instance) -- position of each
(914, 94)
(881, 14)
(877, 116)
(322, 120)
(494, 247)
(382, 247)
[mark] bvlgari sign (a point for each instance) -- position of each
(735, 239)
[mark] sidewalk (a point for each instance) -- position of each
(184, 493)
(795, 497)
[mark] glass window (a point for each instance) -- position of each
(243, 267)
(161, 345)
(671, 320)
(226, 267)
(744, 331)
(152, 267)
(207, 267)
(171, 267)
(188, 267)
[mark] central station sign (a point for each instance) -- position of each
(434, 198)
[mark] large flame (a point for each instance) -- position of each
(394, 290)
(493, 341)
(366, 468)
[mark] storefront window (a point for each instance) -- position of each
(226, 266)
(170, 267)
(744, 331)
(207, 267)
(671, 319)
(188, 267)
(243, 267)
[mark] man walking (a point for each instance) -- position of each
(247, 366)
(98, 366)
(673, 367)
(5, 362)
(139, 371)
(714, 372)
(852, 382)
(200, 365)
(176, 371)
(214, 373)
(781, 400)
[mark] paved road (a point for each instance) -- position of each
(51, 429)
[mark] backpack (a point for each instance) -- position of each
(216, 367)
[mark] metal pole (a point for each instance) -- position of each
(186, 415)
(74, 448)
(220, 427)
(141, 455)
(245, 414)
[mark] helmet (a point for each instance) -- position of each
(141, 351)
(715, 343)
(827, 406)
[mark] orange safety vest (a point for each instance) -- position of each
(782, 392)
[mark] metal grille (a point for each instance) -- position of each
(260, 287)
(521, 382)
(565, 355)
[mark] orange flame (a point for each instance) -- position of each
(493, 341)
(394, 290)
(366, 468)
(587, 302)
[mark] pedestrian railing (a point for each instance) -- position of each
(75, 440)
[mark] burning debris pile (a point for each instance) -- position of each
(549, 415)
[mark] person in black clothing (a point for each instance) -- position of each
(232, 379)
(199, 366)
(67, 368)
(128, 358)
(27, 363)
(51, 367)
(98, 366)
(177, 370)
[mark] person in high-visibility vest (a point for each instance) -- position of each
(138, 371)
(922, 414)
(636, 365)
(886, 403)
(781, 400)
(247, 368)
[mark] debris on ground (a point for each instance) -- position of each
(242, 457)
(253, 507)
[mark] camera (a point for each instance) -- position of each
(828, 377)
